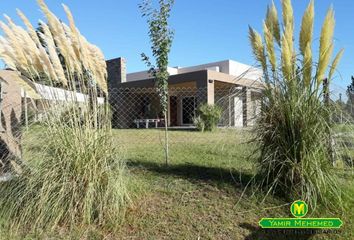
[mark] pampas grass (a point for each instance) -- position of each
(294, 128)
(326, 45)
(305, 41)
(287, 56)
(258, 48)
(269, 40)
(272, 22)
(335, 63)
(307, 66)
(288, 14)
(307, 27)
(79, 178)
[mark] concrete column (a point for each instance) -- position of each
(116, 69)
(117, 72)
(211, 92)
(247, 106)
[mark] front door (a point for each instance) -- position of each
(188, 110)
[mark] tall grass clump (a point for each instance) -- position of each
(79, 178)
(294, 128)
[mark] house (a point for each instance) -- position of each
(234, 86)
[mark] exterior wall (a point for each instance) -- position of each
(256, 98)
(252, 101)
(116, 69)
(244, 71)
(53, 94)
(225, 98)
(117, 72)
(11, 110)
(222, 66)
(136, 76)
(230, 67)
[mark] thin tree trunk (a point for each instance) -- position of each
(166, 141)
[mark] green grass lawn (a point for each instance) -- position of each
(198, 196)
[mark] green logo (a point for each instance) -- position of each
(299, 210)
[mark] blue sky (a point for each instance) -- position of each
(205, 31)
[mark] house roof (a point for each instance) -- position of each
(230, 67)
(201, 77)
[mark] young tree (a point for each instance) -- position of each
(161, 36)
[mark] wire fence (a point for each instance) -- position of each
(140, 107)
(138, 124)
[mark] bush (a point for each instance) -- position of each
(208, 117)
(199, 123)
(295, 129)
(79, 179)
(76, 177)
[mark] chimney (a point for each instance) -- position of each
(117, 72)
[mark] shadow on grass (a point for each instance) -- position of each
(276, 234)
(194, 172)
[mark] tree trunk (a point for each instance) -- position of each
(166, 141)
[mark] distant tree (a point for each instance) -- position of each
(350, 94)
(161, 37)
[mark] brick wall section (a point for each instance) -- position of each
(11, 110)
(117, 72)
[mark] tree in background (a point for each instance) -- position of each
(161, 37)
(294, 129)
(350, 94)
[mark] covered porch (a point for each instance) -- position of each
(138, 100)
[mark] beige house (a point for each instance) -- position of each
(234, 86)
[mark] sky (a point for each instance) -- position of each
(205, 30)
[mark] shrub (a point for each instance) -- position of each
(295, 131)
(208, 117)
(78, 177)
(199, 123)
